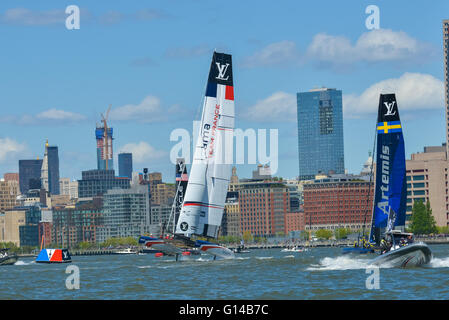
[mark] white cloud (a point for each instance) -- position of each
(143, 152)
(414, 91)
(59, 115)
(278, 53)
(149, 110)
(10, 149)
(27, 17)
(48, 117)
(373, 46)
(280, 106)
(188, 52)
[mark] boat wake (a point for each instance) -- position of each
(339, 263)
(264, 258)
(439, 263)
(23, 263)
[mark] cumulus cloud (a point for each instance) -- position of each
(414, 91)
(10, 148)
(380, 45)
(280, 106)
(149, 110)
(278, 53)
(143, 152)
(188, 52)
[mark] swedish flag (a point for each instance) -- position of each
(389, 127)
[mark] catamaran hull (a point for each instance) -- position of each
(218, 251)
(412, 255)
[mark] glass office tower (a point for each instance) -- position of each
(125, 165)
(320, 133)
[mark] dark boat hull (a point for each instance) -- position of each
(412, 255)
(9, 260)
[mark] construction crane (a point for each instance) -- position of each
(104, 119)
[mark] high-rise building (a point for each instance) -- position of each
(9, 190)
(104, 134)
(427, 174)
(11, 177)
(320, 133)
(126, 212)
(446, 77)
(50, 170)
(67, 187)
(97, 182)
(125, 165)
(29, 175)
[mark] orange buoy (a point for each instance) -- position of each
(186, 253)
(158, 254)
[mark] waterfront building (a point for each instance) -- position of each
(126, 212)
(263, 206)
(446, 77)
(320, 133)
(97, 182)
(9, 191)
(427, 180)
(29, 175)
(231, 216)
(67, 187)
(72, 225)
(262, 172)
(338, 202)
(10, 221)
(158, 218)
(125, 165)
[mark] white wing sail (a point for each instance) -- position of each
(203, 205)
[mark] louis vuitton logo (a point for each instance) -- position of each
(222, 68)
(390, 107)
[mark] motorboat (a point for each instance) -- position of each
(294, 249)
(126, 251)
(401, 251)
(6, 258)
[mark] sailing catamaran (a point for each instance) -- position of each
(204, 199)
(388, 221)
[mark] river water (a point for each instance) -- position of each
(320, 273)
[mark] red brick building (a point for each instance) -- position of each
(263, 207)
(338, 203)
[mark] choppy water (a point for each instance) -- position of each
(321, 273)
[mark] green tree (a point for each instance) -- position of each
(422, 221)
(247, 236)
(323, 234)
(342, 233)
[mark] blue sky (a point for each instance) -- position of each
(150, 59)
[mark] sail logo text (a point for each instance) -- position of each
(390, 108)
(222, 68)
(385, 156)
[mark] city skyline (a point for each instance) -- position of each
(74, 75)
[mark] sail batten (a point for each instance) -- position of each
(390, 184)
(203, 206)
